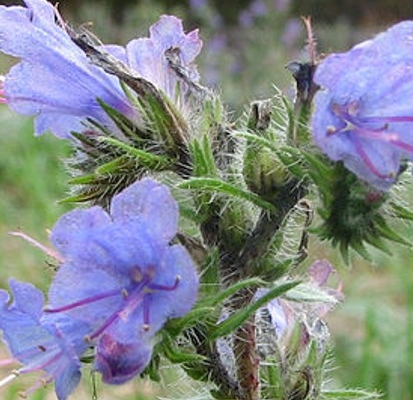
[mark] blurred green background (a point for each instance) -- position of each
(246, 47)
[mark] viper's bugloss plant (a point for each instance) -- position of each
(189, 239)
(363, 116)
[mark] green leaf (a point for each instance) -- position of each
(239, 318)
(306, 293)
(228, 292)
(217, 185)
(190, 319)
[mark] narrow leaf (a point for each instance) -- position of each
(239, 318)
(228, 292)
(149, 160)
(217, 185)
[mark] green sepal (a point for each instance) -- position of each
(176, 356)
(401, 212)
(202, 157)
(123, 123)
(78, 198)
(163, 120)
(271, 374)
(112, 166)
(83, 180)
(239, 317)
(257, 139)
(152, 370)
(390, 234)
(146, 159)
(217, 185)
(197, 371)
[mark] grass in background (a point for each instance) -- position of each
(32, 180)
(372, 330)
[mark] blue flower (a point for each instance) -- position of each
(363, 113)
(41, 341)
(151, 57)
(55, 82)
(122, 274)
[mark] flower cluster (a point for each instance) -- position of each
(119, 281)
(55, 81)
(363, 113)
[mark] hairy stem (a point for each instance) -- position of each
(246, 355)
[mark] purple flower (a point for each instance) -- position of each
(121, 273)
(55, 82)
(148, 56)
(282, 5)
(363, 113)
(198, 5)
(285, 314)
(41, 341)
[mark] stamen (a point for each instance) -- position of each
(136, 274)
(331, 129)
(368, 162)
(7, 361)
(40, 383)
(9, 378)
(105, 325)
(34, 242)
(146, 315)
(43, 366)
(362, 125)
(83, 302)
(164, 287)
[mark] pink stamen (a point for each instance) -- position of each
(367, 161)
(2, 94)
(39, 384)
(36, 367)
(390, 119)
(146, 310)
(105, 325)
(164, 287)
(50, 252)
(389, 137)
(83, 302)
(358, 125)
(132, 301)
(7, 362)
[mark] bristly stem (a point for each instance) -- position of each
(243, 264)
(246, 355)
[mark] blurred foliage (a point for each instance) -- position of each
(357, 12)
(373, 333)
